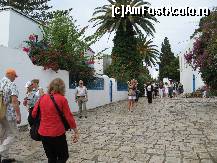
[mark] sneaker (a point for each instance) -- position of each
(9, 160)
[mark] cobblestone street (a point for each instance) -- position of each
(167, 131)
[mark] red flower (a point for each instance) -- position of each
(32, 38)
(26, 49)
(90, 62)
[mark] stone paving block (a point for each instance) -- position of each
(140, 148)
(125, 149)
(155, 151)
(200, 149)
(190, 161)
(173, 160)
(111, 146)
(113, 154)
(157, 159)
(173, 147)
(87, 156)
(108, 159)
(191, 155)
(129, 156)
(173, 154)
(160, 146)
(204, 155)
(142, 157)
(214, 154)
(74, 160)
(125, 160)
(206, 161)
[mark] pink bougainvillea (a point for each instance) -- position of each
(32, 38)
(26, 49)
(197, 56)
(189, 56)
(90, 62)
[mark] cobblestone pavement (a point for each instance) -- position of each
(167, 131)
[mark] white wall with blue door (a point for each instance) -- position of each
(190, 78)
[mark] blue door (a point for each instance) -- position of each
(194, 83)
(110, 91)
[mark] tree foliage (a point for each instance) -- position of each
(37, 9)
(127, 62)
(103, 18)
(169, 64)
(62, 47)
(147, 50)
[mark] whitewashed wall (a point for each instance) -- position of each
(27, 71)
(4, 25)
(187, 72)
(16, 28)
(98, 66)
(20, 29)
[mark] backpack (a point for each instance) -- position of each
(3, 107)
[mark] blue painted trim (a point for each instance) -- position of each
(194, 83)
(110, 90)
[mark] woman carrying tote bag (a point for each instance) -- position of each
(51, 128)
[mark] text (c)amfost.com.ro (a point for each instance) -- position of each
(159, 11)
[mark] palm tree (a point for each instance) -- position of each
(148, 51)
(126, 60)
(103, 18)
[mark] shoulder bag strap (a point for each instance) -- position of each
(61, 114)
(57, 108)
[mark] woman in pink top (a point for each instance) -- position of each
(51, 127)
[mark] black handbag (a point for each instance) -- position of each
(61, 114)
(35, 126)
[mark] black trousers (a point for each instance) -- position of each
(170, 92)
(149, 96)
(30, 119)
(56, 149)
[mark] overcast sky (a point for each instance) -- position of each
(177, 29)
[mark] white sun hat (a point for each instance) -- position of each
(28, 84)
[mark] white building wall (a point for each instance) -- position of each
(98, 66)
(26, 71)
(4, 26)
(187, 72)
(21, 28)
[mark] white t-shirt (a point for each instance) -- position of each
(81, 91)
(149, 88)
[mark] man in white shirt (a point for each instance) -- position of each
(8, 128)
(81, 98)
